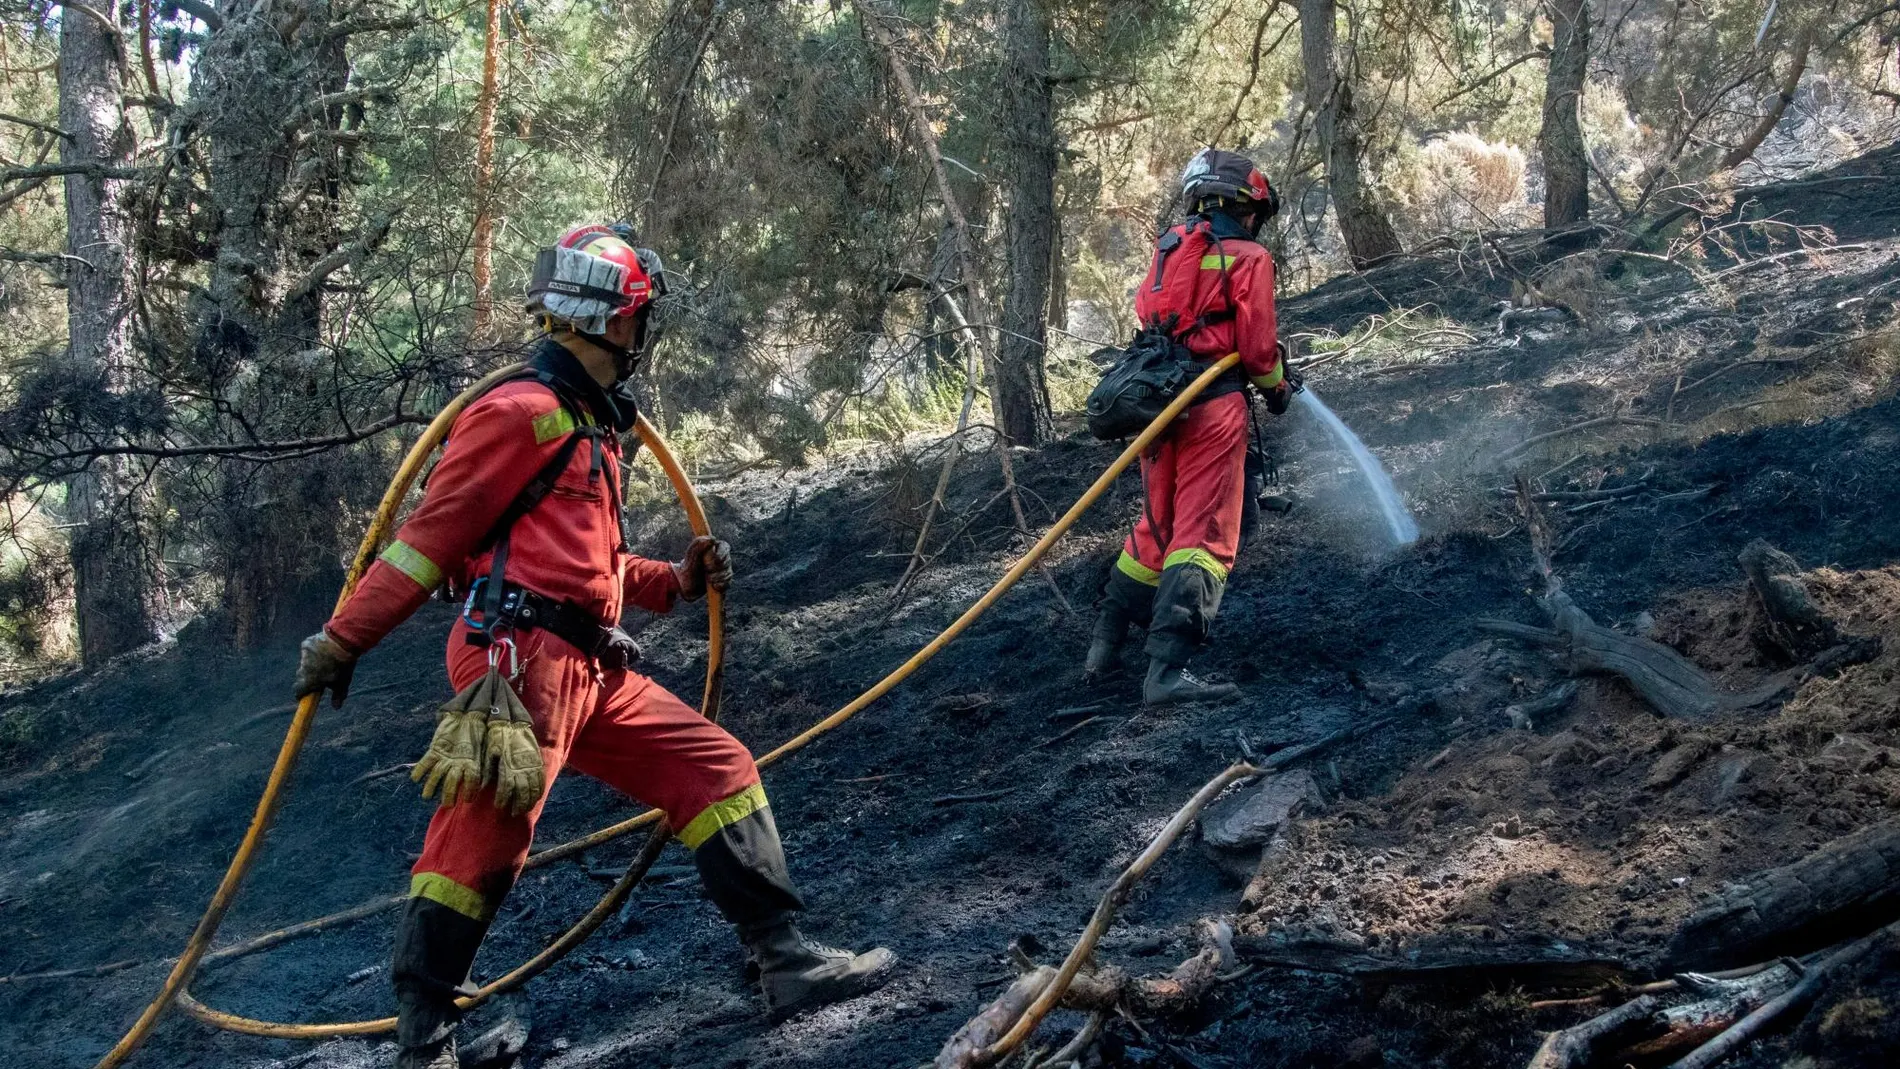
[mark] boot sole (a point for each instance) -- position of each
(864, 985)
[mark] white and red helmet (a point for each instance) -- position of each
(593, 275)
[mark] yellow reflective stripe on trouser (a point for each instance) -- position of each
(720, 814)
(406, 559)
(1201, 559)
(439, 888)
(1272, 378)
(551, 425)
(1136, 570)
(1215, 262)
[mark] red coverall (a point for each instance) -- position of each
(1175, 563)
(619, 726)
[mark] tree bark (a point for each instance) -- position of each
(484, 231)
(112, 583)
(1022, 391)
(1342, 136)
(1560, 140)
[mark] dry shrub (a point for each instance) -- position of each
(1459, 182)
(1577, 284)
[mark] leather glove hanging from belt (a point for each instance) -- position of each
(323, 664)
(708, 563)
(457, 754)
(484, 736)
(513, 760)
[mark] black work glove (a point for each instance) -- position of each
(708, 563)
(620, 652)
(323, 664)
(1281, 396)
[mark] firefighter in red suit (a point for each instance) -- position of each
(524, 512)
(1210, 285)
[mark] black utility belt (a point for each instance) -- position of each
(520, 609)
(1230, 381)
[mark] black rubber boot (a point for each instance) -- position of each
(435, 946)
(1105, 648)
(438, 1055)
(1171, 684)
(797, 974)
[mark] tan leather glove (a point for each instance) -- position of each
(513, 763)
(708, 563)
(323, 664)
(456, 757)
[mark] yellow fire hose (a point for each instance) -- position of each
(187, 963)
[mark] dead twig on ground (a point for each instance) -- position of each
(1563, 496)
(1052, 740)
(86, 972)
(1072, 1051)
(1074, 711)
(1613, 420)
(979, 796)
(382, 772)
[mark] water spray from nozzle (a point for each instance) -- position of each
(1398, 520)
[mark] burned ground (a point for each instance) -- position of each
(1769, 401)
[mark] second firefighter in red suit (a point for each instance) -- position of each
(1210, 284)
(550, 583)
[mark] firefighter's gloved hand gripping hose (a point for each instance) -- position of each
(384, 522)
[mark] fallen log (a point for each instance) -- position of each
(1839, 891)
(1580, 1045)
(1540, 966)
(1798, 996)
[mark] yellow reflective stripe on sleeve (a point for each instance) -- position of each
(551, 425)
(406, 559)
(439, 888)
(720, 814)
(1201, 559)
(1272, 378)
(1215, 262)
(1136, 570)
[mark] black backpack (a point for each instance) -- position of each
(1144, 378)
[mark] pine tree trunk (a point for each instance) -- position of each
(1342, 138)
(1560, 141)
(1022, 391)
(484, 236)
(112, 583)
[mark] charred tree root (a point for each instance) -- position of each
(1020, 1009)
(1791, 623)
(1100, 992)
(1664, 678)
